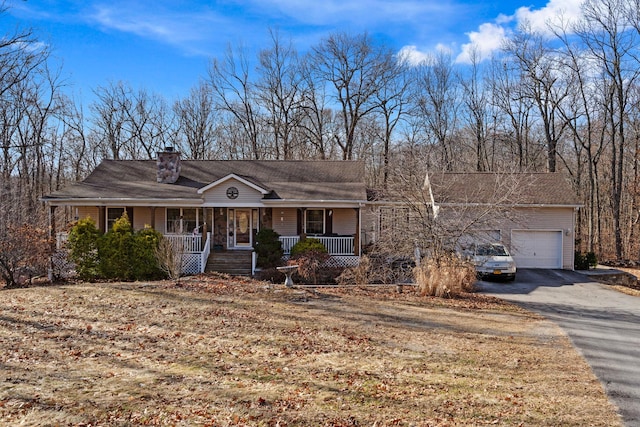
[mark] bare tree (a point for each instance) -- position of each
(280, 92)
(587, 127)
(28, 99)
(75, 150)
(20, 56)
(392, 99)
(197, 122)
(513, 113)
(317, 122)
(436, 100)
(606, 33)
(353, 66)
(109, 118)
(234, 94)
(147, 123)
(543, 84)
(476, 100)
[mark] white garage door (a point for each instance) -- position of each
(537, 249)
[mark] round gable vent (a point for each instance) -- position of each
(232, 192)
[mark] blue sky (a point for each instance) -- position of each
(165, 46)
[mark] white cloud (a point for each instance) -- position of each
(491, 35)
(364, 12)
(485, 41)
(128, 23)
(539, 20)
(190, 31)
(410, 55)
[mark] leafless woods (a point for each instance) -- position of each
(565, 100)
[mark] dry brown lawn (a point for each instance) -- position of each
(219, 352)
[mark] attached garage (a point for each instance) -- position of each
(537, 248)
(532, 214)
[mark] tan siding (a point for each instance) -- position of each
(554, 219)
(285, 221)
(88, 211)
(141, 217)
(344, 221)
(218, 194)
(535, 219)
(161, 217)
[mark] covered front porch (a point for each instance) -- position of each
(200, 256)
(204, 233)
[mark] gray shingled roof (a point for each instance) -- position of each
(549, 189)
(292, 180)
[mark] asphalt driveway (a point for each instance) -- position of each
(603, 324)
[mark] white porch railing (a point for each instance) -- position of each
(190, 243)
(194, 254)
(288, 242)
(204, 256)
(334, 245)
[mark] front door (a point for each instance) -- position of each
(242, 228)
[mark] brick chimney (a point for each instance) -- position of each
(168, 166)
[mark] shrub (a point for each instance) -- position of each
(309, 254)
(145, 263)
(83, 248)
(583, 261)
(592, 259)
(269, 248)
(169, 258)
(116, 250)
(359, 275)
(270, 274)
(306, 246)
(379, 268)
(445, 276)
(119, 254)
(23, 254)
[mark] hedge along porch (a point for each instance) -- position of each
(217, 207)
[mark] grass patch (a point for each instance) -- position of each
(216, 352)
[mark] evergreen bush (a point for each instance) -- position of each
(269, 248)
(145, 262)
(306, 246)
(116, 250)
(83, 248)
(582, 261)
(592, 259)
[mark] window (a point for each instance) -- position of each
(113, 214)
(189, 220)
(314, 222)
(173, 220)
(181, 220)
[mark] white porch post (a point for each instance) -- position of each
(356, 240)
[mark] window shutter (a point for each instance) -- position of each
(328, 221)
(129, 210)
(299, 227)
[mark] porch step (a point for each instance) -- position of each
(237, 263)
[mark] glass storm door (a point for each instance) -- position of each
(242, 232)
